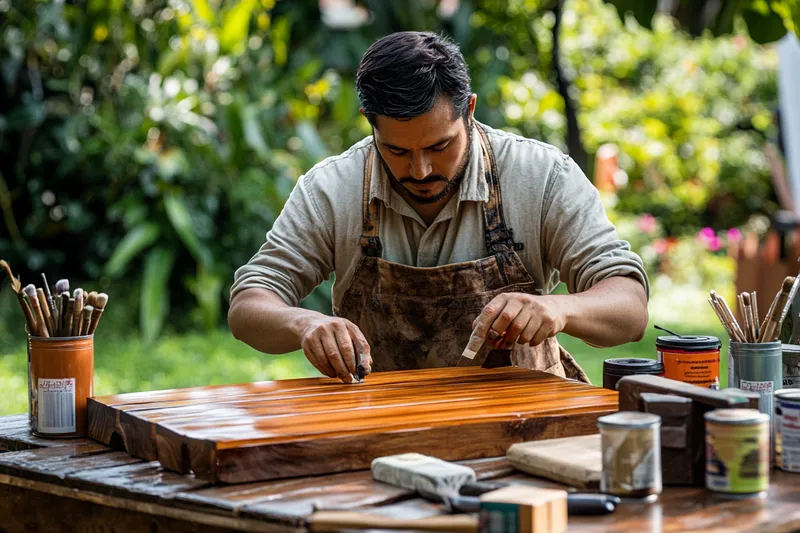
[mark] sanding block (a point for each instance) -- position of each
(419, 472)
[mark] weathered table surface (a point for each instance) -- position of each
(80, 485)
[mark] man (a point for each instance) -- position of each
(416, 223)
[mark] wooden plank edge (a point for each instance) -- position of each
(178, 513)
(103, 423)
(278, 461)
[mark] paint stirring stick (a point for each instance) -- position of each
(33, 299)
(68, 320)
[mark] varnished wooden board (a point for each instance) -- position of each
(289, 428)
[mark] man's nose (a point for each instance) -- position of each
(420, 166)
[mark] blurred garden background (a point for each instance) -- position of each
(146, 147)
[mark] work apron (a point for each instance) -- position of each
(417, 317)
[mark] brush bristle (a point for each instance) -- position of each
(62, 285)
(102, 300)
(787, 283)
(30, 290)
(78, 294)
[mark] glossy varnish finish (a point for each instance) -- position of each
(272, 430)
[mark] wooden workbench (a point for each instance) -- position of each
(78, 485)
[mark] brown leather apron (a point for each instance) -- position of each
(417, 317)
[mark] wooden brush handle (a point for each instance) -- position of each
(48, 318)
(26, 310)
(334, 521)
(96, 314)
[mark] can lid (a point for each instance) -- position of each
(791, 348)
(632, 365)
(688, 342)
(788, 394)
(736, 416)
(629, 420)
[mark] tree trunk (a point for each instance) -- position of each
(574, 143)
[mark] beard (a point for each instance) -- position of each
(451, 184)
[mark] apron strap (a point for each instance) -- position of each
(370, 242)
(499, 237)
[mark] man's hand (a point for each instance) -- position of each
(333, 344)
(520, 317)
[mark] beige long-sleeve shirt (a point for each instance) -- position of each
(553, 209)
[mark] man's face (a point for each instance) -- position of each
(426, 156)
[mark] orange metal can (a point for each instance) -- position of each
(60, 379)
(690, 358)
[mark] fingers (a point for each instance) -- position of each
(487, 317)
(365, 358)
(547, 328)
(507, 315)
(345, 344)
(315, 354)
(330, 347)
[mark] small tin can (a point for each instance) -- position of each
(616, 369)
(787, 430)
(631, 449)
(791, 366)
(757, 367)
(737, 452)
(60, 379)
(690, 358)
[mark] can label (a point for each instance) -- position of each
(737, 458)
(791, 370)
(765, 390)
(697, 368)
(787, 436)
(56, 405)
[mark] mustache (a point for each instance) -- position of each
(429, 179)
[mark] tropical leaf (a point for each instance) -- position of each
(235, 25)
(154, 302)
(764, 27)
(203, 10)
(181, 220)
(642, 10)
(137, 240)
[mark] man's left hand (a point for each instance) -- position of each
(520, 317)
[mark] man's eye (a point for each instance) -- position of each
(442, 149)
(397, 152)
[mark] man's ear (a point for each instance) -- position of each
(363, 113)
(473, 99)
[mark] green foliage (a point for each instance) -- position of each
(152, 144)
(766, 20)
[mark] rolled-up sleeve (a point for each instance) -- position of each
(578, 238)
(298, 252)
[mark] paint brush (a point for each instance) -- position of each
(738, 333)
(62, 295)
(90, 299)
(777, 313)
(86, 320)
(77, 310)
(51, 304)
(102, 301)
(754, 308)
(33, 299)
(16, 286)
(45, 307)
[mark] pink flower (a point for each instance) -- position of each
(706, 234)
(661, 246)
(714, 244)
(708, 237)
(734, 235)
(646, 223)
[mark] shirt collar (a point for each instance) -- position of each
(473, 188)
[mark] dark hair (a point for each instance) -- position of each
(403, 74)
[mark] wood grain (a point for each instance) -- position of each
(261, 431)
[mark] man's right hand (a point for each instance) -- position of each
(332, 345)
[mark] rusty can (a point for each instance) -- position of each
(60, 379)
(631, 454)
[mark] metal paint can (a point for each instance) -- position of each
(60, 379)
(690, 358)
(791, 366)
(757, 367)
(787, 430)
(737, 452)
(631, 450)
(616, 369)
